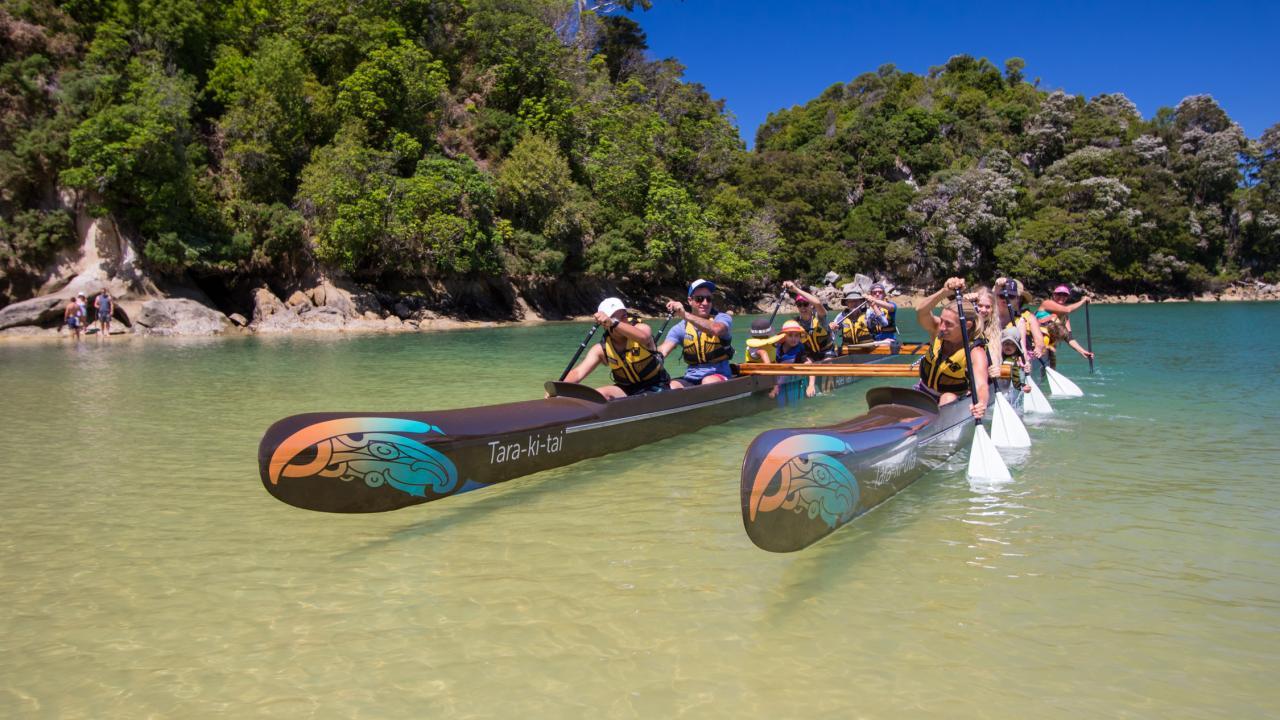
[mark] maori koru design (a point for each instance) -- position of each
(797, 476)
(373, 450)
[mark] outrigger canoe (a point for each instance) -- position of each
(374, 462)
(799, 485)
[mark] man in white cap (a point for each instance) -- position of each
(74, 314)
(705, 335)
(627, 349)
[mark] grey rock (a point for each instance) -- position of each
(238, 319)
(402, 311)
(36, 311)
(265, 304)
(180, 316)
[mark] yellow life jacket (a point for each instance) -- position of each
(768, 351)
(636, 365)
(1015, 372)
(944, 375)
(704, 348)
(854, 332)
(817, 338)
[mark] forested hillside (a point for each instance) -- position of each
(245, 139)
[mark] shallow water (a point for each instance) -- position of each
(1132, 569)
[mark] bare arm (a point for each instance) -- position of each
(594, 356)
(819, 309)
(640, 333)
(924, 313)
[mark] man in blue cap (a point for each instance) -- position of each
(705, 335)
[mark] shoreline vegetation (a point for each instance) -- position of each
(223, 167)
(763, 305)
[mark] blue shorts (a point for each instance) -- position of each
(698, 380)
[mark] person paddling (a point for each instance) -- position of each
(882, 314)
(812, 316)
(944, 369)
(704, 334)
(628, 351)
(1056, 312)
(1013, 313)
(853, 327)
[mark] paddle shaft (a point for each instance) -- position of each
(657, 339)
(838, 370)
(968, 356)
(1088, 336)
(578, 354)
(781, 296)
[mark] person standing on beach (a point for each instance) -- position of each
(104, 306)
(73, 315)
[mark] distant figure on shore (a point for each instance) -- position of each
(104, 306)
(74, 315)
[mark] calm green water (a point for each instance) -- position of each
(1132, 570)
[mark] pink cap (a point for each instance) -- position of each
(1062, 289)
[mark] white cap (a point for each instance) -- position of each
(611, 306)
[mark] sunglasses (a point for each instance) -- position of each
(699, 298)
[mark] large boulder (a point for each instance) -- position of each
(180, 316)
(36, 311)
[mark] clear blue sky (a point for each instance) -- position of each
(761, 55)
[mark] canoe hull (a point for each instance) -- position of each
(799, 485)
(375, 462)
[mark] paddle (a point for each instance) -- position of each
(825, 370)
(985, 462)
(1061, 386)
(781, 296)
(578, 354)
(1088, 336)
(1035, 403)
(657, 339)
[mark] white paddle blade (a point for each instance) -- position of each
(1035, 402)
(985, 463)
(1006, 429)
(1061, 386)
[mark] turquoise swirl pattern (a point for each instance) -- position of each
(375, 451)
(807, 480)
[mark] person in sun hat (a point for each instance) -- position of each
(761, 346)
(882, 314)
(812, 316)
(853, 325)
(628, 351)
(1014, 355)
(792, 348)
(1055, 317)
(705, 337)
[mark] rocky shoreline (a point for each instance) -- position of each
(333, 304)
